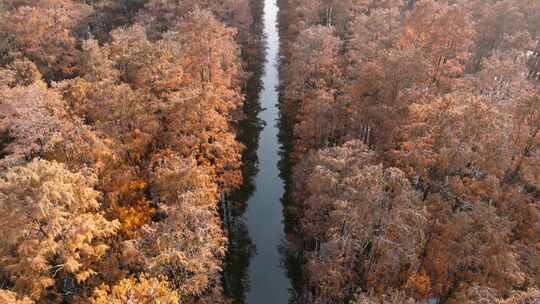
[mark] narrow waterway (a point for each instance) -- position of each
(258, 264)
(268, 281)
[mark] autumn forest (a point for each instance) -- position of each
(270, 151)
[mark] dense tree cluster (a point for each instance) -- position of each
(117, 137)
(417, 142)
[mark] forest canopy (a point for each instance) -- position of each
(117, 138)
(415, 148)
(416, 141)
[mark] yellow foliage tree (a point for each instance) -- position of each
(51, 226)
(10, 297)
(142, 290)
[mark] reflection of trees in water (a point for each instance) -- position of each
(240, 247)
(291, 247)
(236, 264)
(250, 127)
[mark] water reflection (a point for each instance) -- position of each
(260, 264)
(291, 249)
(240, 247)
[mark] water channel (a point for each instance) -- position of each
(254, 270)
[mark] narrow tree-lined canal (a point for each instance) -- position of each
(254, 267)
(267, 277)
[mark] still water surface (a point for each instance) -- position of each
(268, 281)
(253, 216)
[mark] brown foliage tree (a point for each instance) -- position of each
(314, 64)
(374, 221)
(443, 34)
(42, 31)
